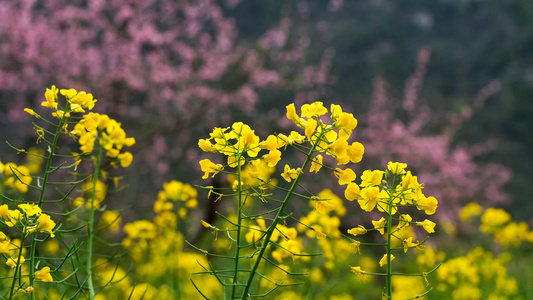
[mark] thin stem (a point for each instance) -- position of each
(41, 195)
(389, 238)
(17, 268)
(239, 221)
(90, 225)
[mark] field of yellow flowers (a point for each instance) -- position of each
(293, 221)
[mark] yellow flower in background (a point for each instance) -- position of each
(493, 219)
(428, 225)
(322, 206)
(51, 247)
(383, 260)
(358, 271)
(17, 177)
(469, 210)
(111, 219)
(44, 275)
(13, 262)
(320, 235)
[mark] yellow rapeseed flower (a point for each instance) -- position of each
(345, 176)
(316, 164)
(30, 209)
(45, 224)
(371, 178)
(272, 158)
(289, 174)
(396, 168)
(352, 192)
(44, 275)
(383, 260)
(380, 225)
(357, 230)
(315, 109)
(208, 167)
(51, 98)
(428, 225)
(13, 262)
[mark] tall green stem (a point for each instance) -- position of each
(239, 221)
(275, 222)
(17, 268)
(41, 196)
(90, 225)
(389, 238)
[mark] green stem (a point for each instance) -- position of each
(275, 222)
(389, 238)
(51, 155)
(90, 225)
(239, 221)
(17, 269)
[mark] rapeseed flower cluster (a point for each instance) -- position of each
(18, 177)
(389, 192)
(92, 131)
(159, 242)
(27, 218)
(92, 127)
(477, 275)
(250, 164)
(240, 144)
(499, 224)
